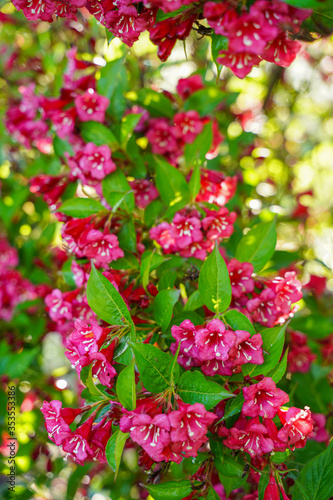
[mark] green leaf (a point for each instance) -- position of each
(263, 482)
(154, 102)
(205, 101)
(212, 494)
(273, 341)
(75, 479)
(314, 325)
(233, 407)
(194, 301)
(127, 236)
(280, 369)
(239, 321)
(87, 379)
(128, 124)
(172, 490)
(15, 364)
(171, 185)
(219, 43)
(229, 467)
(107, 82)
(154, 367)
(81, 207)
(163, 307)
(152, 211)
(106, 301)
(61, 147)
(99, 134)
(126, 387)
(299, 491)
(258, 245)
(280, 457)
(115, 187)
(148, 264)
(317, 476)
(195, 153)
(114, 450)
(194, 388)
(214, 282)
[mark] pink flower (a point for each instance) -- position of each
(216, 367)
(187, 125)
(127, 23)
(250, 33)
(151, 433)
(83, 341)
(190, 422)
(288, 290)
(102, 248)
(218, 224)
(240, 63)
(95, 162)
(185, 335)
(319, 432)
(168, 5)
(91, 106)
(214, 341)
(240, 277)
(263, 308)
(247, 349)
(161, 136)
(252, 438)
(281, 50)
(300, 358)
(297, 426)
(36, 9)
(50, 187)
(162, 234)
(186, 230)
(272, 490)
(144, 192)
(8, 254)
(219, 16)
(197, 249)
(99, 436)
(58, 307)
(187, 86)
(77, 444)
(57, 420)
(216, 188)
(263, 399)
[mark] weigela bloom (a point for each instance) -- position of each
(287, 289)
(247, 349)
(8, 255)
(240, 63)
(161, 136)
(214, 341)
(215, 187)
(263, 308)
(250, 34)
(77, 445)
(218, 224)
(162, 234)
(271, 490)
(91, 164)
(144, 192)
(102, 248)
(98, 438)
(187, 125)
(187, 86)
(50, 187)
(190, 421)
(319, 432)
(57, 420)
(91, 106)
(126, 22)
(297, 426)
(213, 367)
(57, 306)
(186, 230)
(240, 277)
(185, 334)
(250, 437)
(263, 399)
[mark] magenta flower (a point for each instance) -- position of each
(8, 255)
(187, 125)
(187, 86)
(168, 6)
(102, 248)
(95, 162)
(161, 136)
(240, 277)
(216, 367)
(263, 399)
(287, 289)
(263, 308)
(247, 349)
(190, 422)
(271, 490)
(144, 192)
(297, 426)
(214, 341)
(240, 63)
(57, 420)
(250, 33)
(186, 230)
(216, 188)
(77, 444)
(197, 249)
(319, 432)
(253, 438)
(281, 50)
(218, 224)
(185, 334)
(162, 234)
(127, 23)
(151, 433)
(57, 307)
(99, 436)
(91, 106)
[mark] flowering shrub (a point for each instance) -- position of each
(194, 341)
(242, 33)
(175, 320)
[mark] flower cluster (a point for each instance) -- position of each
(215, 349)
(170, 436)
(265, 30)
(194, 236)
(14, 288)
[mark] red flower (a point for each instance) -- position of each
(214, 341)
(187, 125)
(297, 426)
(240, 277)
(91, 106)
(247, 349)
(263, 399)
(252, 438)
(272, 490)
